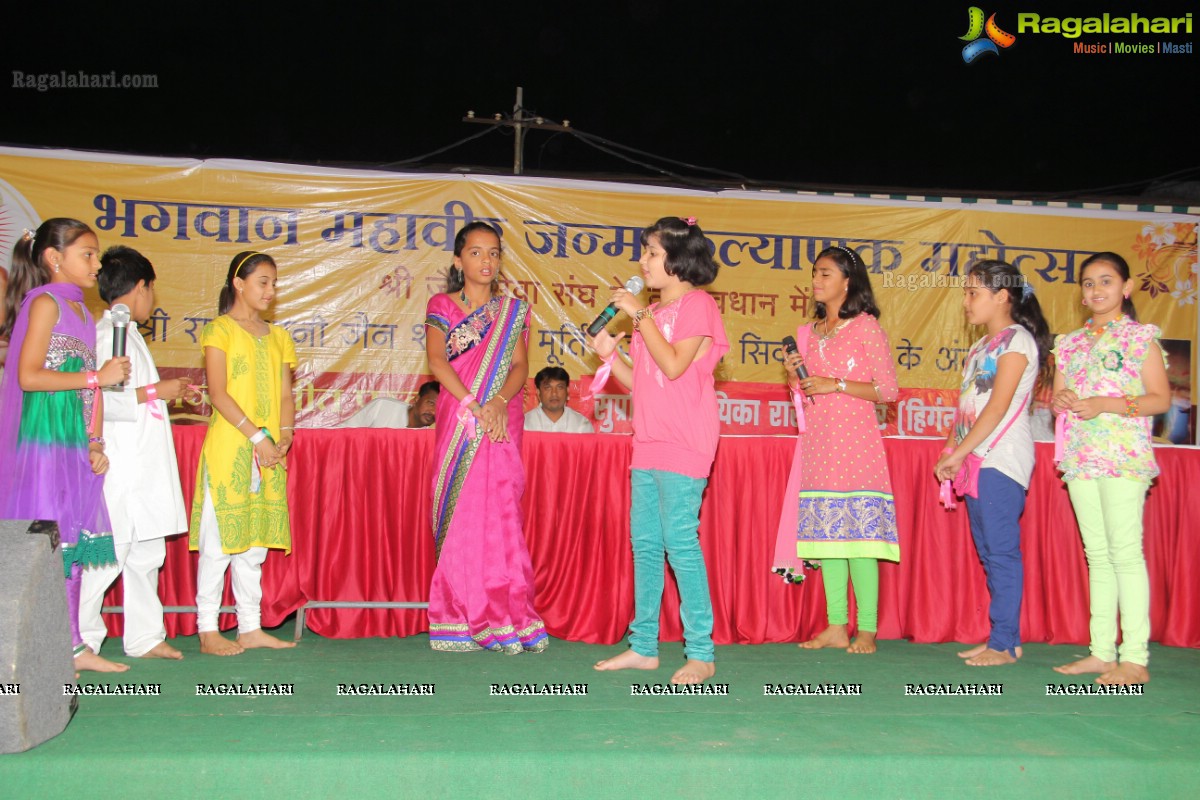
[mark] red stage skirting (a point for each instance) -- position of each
(360, 531)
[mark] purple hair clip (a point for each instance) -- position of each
(690, 221)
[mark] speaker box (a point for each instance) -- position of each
(35, 638)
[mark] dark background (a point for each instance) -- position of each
(800, 94)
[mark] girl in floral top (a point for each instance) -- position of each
(1111, 379)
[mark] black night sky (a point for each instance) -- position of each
(800, 94)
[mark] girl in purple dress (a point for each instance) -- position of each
(50, 418)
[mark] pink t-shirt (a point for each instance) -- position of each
(675, 422)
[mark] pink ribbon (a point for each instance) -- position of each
(1060, 436)
(946, 495)
(798, 402)
(152, 401)
(466, 418)
(601, 377)
(95, 409)
(468, 421)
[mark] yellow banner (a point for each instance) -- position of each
(361, 252)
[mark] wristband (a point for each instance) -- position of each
(96, 440)
(1131, 406)
(947, 450)
(151, 393)
(93, 380)
(258, 436)
(467, 400)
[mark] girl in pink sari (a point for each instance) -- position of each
(481, 597)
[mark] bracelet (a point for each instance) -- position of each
(467, 400)
(1131, 406)
(151, 393)
(287, 427)
(239, 425)
(841, 384)
(502, 400)
(96, 440)
(642, 314)
(947, 450)
(93, 380)
(258, 436)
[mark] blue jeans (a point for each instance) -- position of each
(995, 526)
(664, 521)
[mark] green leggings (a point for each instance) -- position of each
(837, 573)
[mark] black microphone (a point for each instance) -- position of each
(789, 347)
(120, 318)
(634, 286)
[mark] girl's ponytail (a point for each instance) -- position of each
(27, 271)
(1027, 312)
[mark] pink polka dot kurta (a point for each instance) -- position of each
(844, 507)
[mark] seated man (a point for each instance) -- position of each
(388, 412)
(552, 414)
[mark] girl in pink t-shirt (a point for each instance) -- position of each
(676, 345)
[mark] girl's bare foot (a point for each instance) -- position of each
(260, 638)
(980, 648)
(214, 644)
(991, 658)
(87, 661)
(627, 660)
(864, 642)
(163, 650)
(1125, 674)
(833, 636)
(1086, 666)
(694, 672)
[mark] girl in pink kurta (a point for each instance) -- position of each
(839, 507)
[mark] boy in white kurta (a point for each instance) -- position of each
(142, 488)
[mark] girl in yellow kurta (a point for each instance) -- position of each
(240, 508)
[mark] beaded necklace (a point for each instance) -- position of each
(1094, 332)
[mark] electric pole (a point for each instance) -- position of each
(520, 122)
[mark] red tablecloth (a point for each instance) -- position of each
(360, 531)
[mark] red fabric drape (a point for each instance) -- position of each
(360, 531)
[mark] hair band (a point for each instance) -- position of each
(241, 263)
(845, 250)
(1026, 289)
(689, 221)
(29, 236)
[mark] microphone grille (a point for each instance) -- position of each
(120, 314)
(635, 284)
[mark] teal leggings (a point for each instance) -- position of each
(665, 523)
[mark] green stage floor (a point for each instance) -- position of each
(462, 741)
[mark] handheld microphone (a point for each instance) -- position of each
(634, 286)
(789, 347)
(120, 318)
